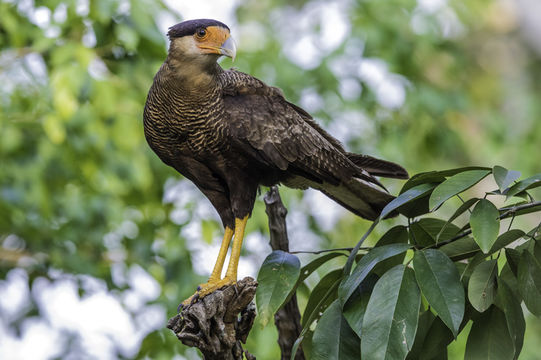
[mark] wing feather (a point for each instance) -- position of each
(287, 137)
(280, 133)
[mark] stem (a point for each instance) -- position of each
(458, 195)
(353, 254)
(511, 212)
(327, 250)
(411, 232)
(511, 222)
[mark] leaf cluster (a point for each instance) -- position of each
(415, 291)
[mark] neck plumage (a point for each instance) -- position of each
(190, 75)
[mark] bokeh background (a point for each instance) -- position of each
(100, 241)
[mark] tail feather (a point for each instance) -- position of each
(358, 196)
(378, 167)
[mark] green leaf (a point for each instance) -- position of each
(485, 224)
(460, 249)
(511, 280)
(482, 285)
(527, 246)
(391, 317)
(333, 338)
(529, 282)
(465, 206)
(455, 185)
(504, 177)
(528, 183)
(419, 236)
(439, 336)
(426, 318)
(507, 301)
(329, 283)
(425, 231)
(436, 176)
(355, 308)
(415, 207)
(396, 235)
(513, 259)
(410, 195)
(506, 238)
(365, 265)
(489, 337)
(453, 172)
(277, 276)
(433, 227)
(536, 251)
(432, 178)
(440, 283)
(470, 266)
(313, 265)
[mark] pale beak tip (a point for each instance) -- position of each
(229, 48)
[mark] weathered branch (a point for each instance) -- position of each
(213, 324)
(287, 319)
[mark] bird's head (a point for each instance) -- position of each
(200, 41)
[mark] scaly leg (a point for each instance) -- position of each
(230, 278)
(217, 271)
(231, 273)
(216, 274)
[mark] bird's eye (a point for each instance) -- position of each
(201, 33)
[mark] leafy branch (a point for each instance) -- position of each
(375, 307)
(505, 213)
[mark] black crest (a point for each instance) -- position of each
(189, 27)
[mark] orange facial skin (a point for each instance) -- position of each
(211, 39)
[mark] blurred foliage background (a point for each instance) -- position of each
(91, 222)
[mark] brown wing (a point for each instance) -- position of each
(281, 136)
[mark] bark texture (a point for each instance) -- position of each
(220, 322)
(287, 319)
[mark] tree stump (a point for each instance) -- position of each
(220, 322)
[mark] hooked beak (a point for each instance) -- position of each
(229, 48)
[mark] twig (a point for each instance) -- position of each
(326, 250)
(287, 319)
(511, 212)
(511, 223)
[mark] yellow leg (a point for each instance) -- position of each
(216, 274)
(240, 225)
(217, 271)
(215, 282)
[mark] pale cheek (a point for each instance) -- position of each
(186, 46)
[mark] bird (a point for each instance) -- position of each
(230, 133)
